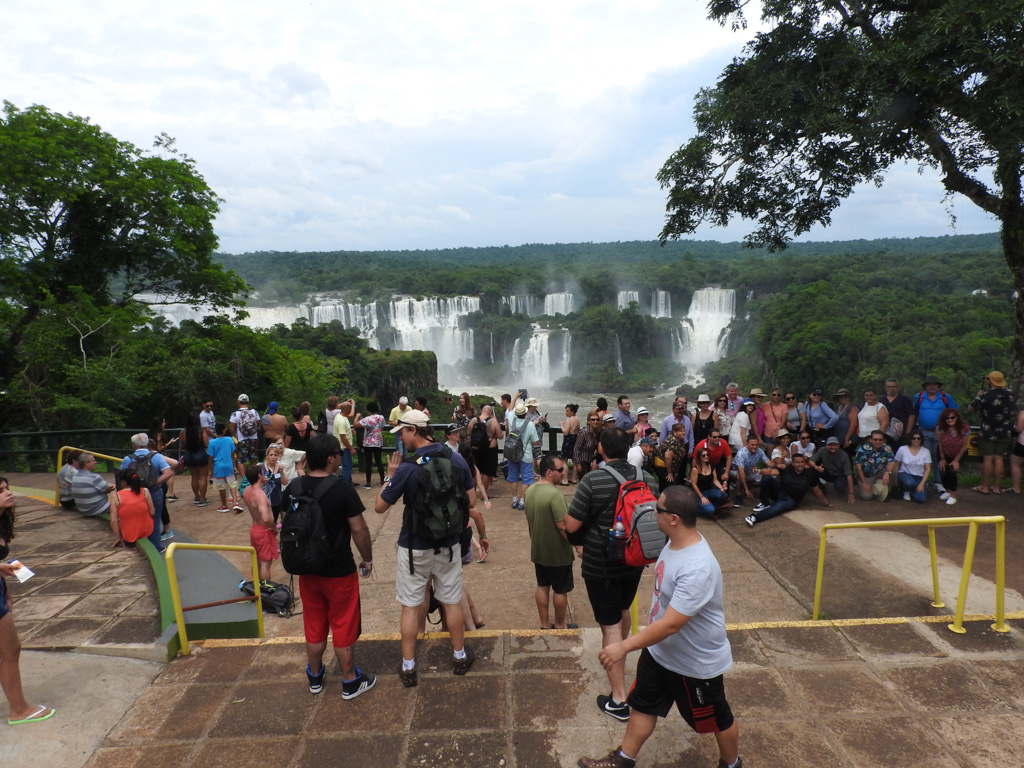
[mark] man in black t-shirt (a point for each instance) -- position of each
(330, 599)
(785, 493)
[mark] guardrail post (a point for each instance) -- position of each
(821, 574)
(965, 577)
(933, 551)
(1000, 625)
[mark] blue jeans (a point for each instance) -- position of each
(931, 442)
(158, 526)
(778, 500)
(908, 484)
(715, 499)
(346, 464)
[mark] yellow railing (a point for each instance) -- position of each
(60, 463)
(179, 610)
(932, 523)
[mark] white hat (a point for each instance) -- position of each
(411, 418)
(520, 409)
(640, 410)
(243, 398)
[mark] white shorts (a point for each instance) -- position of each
(411, 588)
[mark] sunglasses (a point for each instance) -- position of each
(723, 400)
(790, 397)
(663, 511)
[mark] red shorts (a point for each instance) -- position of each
(331, 602)
(264, 541)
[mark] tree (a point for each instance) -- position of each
(834, 94)
(80, 209)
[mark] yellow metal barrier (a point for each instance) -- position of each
(972, 537)
(179, 611)
(60, 463)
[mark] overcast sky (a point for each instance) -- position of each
(399, 125)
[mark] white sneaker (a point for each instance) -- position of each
(906, 496)
(940, 488)
(760, 507)
(951, 500)
(944, 495)
(750, 520)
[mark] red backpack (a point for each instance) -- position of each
(638, 509)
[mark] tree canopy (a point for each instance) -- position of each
(81, 211)
(835, 93)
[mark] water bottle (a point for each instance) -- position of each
(619, 530)
(617, 540)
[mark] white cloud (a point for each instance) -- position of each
(398, 124)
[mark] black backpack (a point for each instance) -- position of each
(514, 450)
(479, 440)
(276, 598)
(306, 545)
(143, 467)
(440, 504)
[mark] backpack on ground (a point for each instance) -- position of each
(248, 423)
(514, 450)
(638, 508)
(479, 440)
(440, 505)
(143, 467)
(276, 598)
(306, 545)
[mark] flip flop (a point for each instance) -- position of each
(979, 489)
(37, 716)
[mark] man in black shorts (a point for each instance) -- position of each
(611, 585)
(685, 649)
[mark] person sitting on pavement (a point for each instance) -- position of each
(785, 492)
(163, 470)
(90, 491)
(719, 454)
(65, 476)
(132, 514)
(803, 445)
(704, 480)
(914, 464)
(750, 462)
(953, 433)
(833, 465)
(782, 457)
(875, 464)
(673, 453)
(550, 552)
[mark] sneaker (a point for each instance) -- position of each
(195, 500)
(363, 682)
(738, 503)
(223, 509)
(723, 764)
(408, 677)
(940, 488)
(461, 666)
(612, 760)
(239, 509)
(760, 507)
(172, 498)
(620, 711)
(750, 520)
(367, 487)
(202, 502)
(316, 682)
(951, 500)
(906, 496)
(166, 535)
(944, 495)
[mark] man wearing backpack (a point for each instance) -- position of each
(520, 441)
(245, 422)
(928, 406)
(330, 594)
(484, 432)
(153, 471)
(611, 585)
(436, 487)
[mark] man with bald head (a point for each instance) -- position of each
(484, 431)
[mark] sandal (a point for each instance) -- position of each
(979, 489)
(564, 482)
(42, 713)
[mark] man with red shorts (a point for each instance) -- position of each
(263, 533)
(330, 598)
(685, 649)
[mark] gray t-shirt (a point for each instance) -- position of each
(690, 580)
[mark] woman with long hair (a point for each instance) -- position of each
(10, 646)
(796, 414)
(914, 465)
(643, 423)
(194, 440)
(586, 445)
(704, 419)
(132, 513)
(461, 416)
(952, 432)
(570, 427)
(706, 484)
(781, 455)
(821, 419)
(723, 415)
(775, 415)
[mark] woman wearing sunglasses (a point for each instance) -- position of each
(914, 464)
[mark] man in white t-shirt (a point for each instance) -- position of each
(639, 453)
(685, 649)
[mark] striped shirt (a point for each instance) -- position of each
(90, 493)
(594, 506)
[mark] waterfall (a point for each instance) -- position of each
(516, 367)
(618, 355)
(492, 347)
(559, 303)
(545, 359)
(433, 324)
(361, 316)
(661, 304)
(523, 305)
(625, 297)
(704, 332)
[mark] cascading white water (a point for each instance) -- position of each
(433, 324)
(618, 354)
(523, 305)
(259, 317)
(361, 316)
(625, 297)
(661, 304)
(559, 303)
(492, 347)
(704, 332)
(546, 358)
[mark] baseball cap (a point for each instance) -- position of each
(243, 398)
(411, 418)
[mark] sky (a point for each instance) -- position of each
(393, 125)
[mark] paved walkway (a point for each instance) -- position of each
(859, 693)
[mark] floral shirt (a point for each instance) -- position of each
(678, 450)
(874, 461)
(997, 414)
(372, 425)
